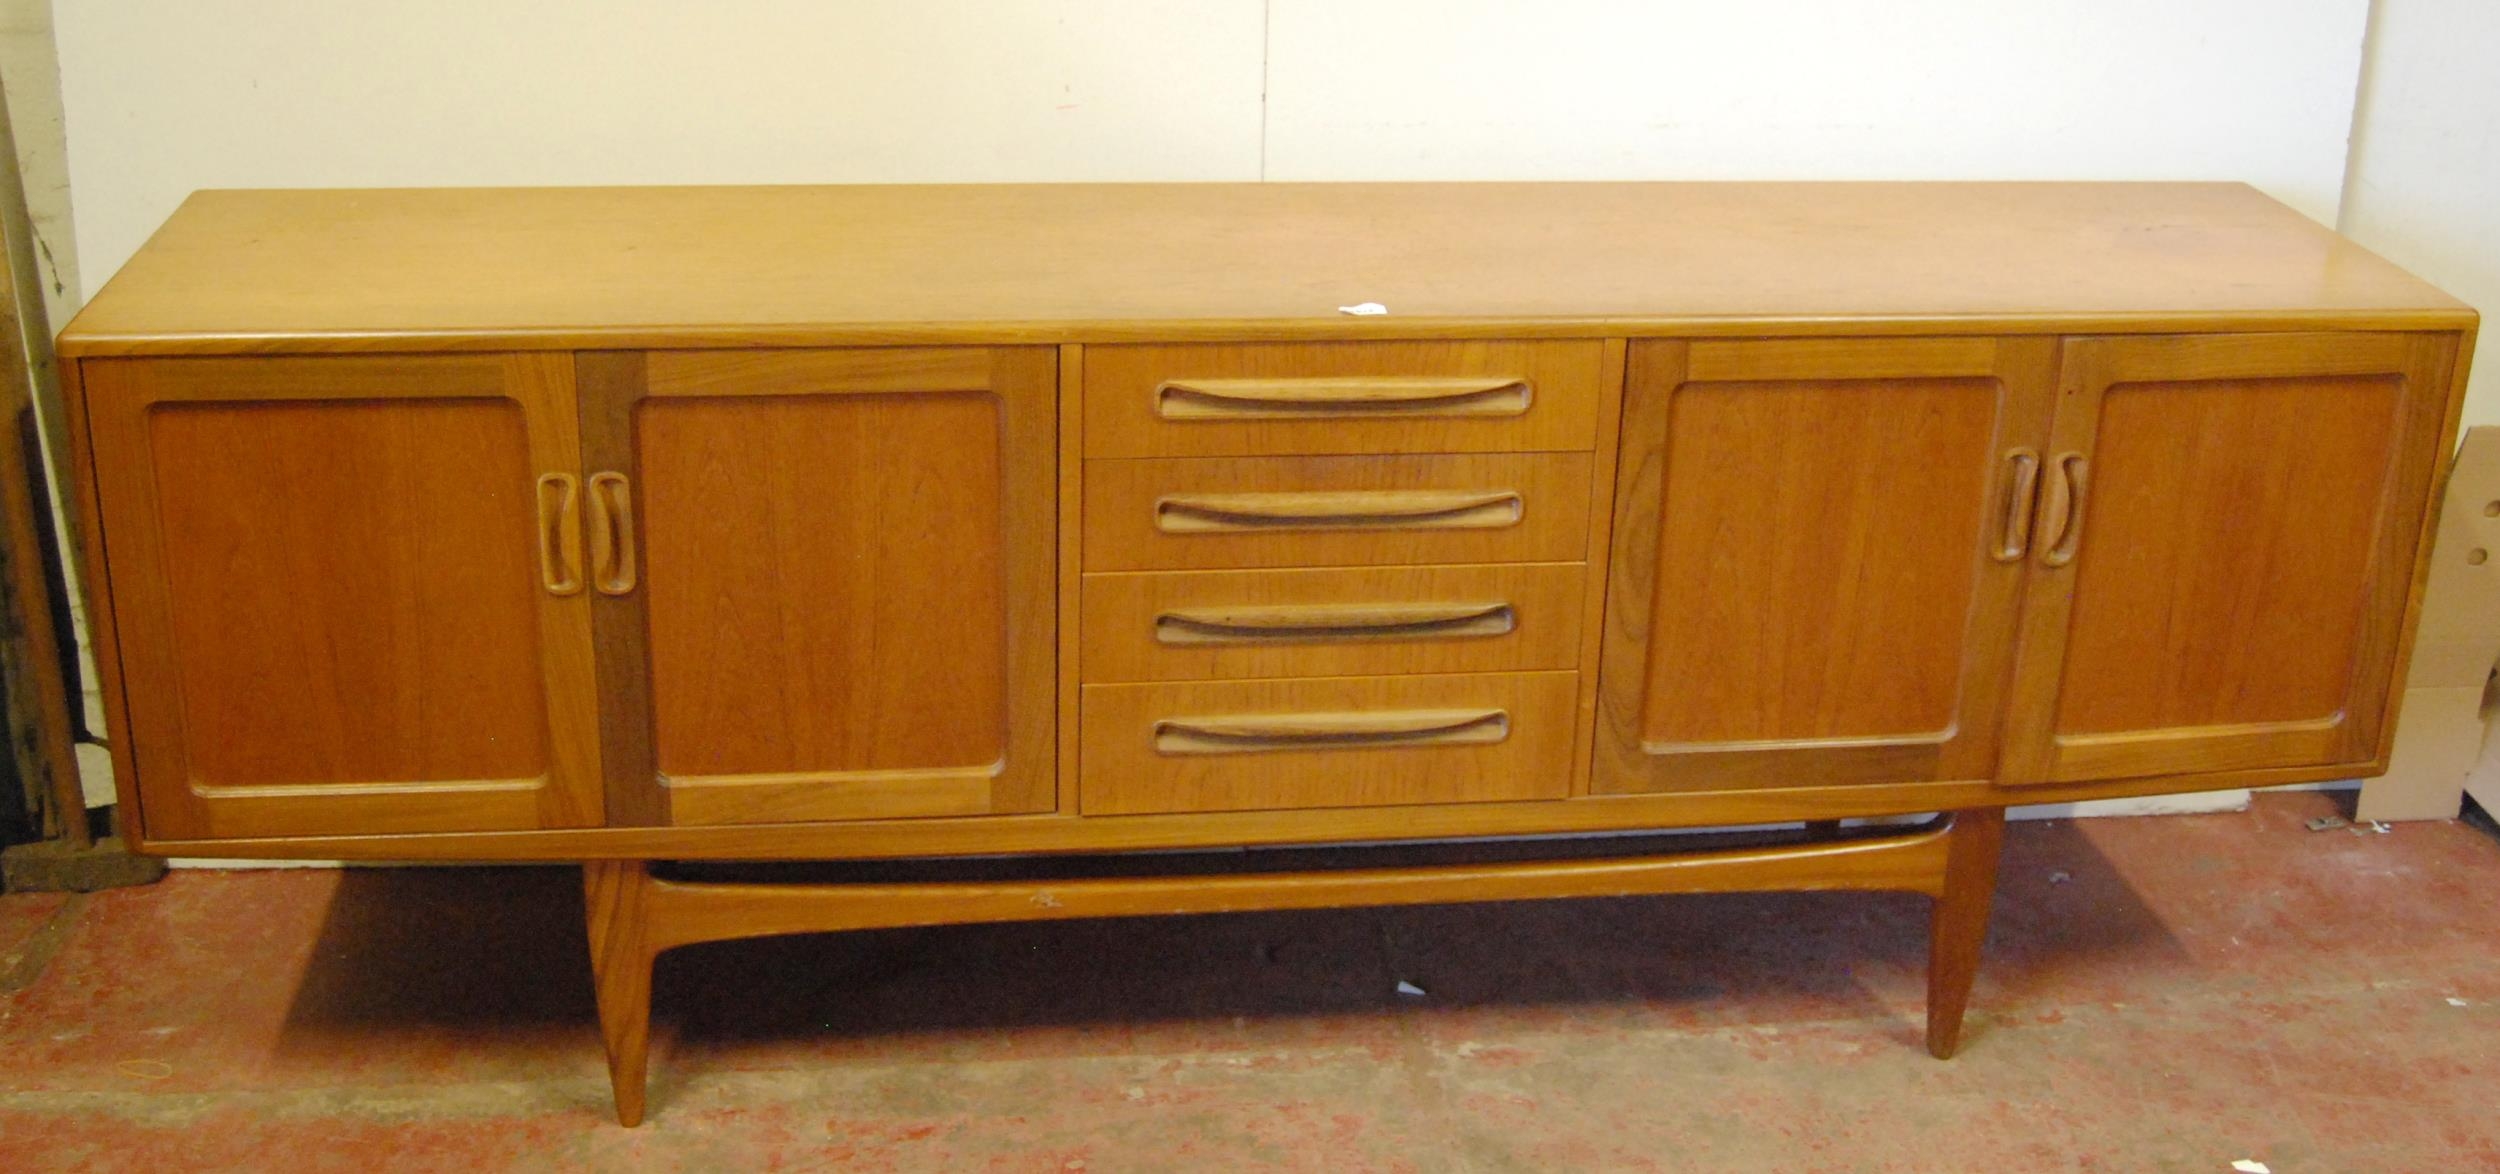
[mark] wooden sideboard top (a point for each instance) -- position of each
(241, 271)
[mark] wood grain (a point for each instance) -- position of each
(1124, 528)
(1327, 398)
(1957, 928)
(2243, 554)
(1803, 581)
(1126, 772)
(611, 385)
(1543, 602)
(605, 268)
(848, 598)
(828, 582)
(616, 896)
(329, 569)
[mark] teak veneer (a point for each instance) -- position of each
(626, 526)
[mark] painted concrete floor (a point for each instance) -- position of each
(2159, 994)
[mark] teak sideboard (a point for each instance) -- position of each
(627, 526)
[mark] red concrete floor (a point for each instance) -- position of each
(2159, 994)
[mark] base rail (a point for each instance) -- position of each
(635, 915)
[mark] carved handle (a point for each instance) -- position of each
(1330, 731)
(1388, 509)
(559, 533)
(1325, 623)
(1386, 395)
(2016, 537)
(611, 533)
(2062, 514)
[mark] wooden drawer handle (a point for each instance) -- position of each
(611, 533)
(1325, 623)
(559, 533)
(1287, 399)
(2016, 539)
(1330, 731)
(2062, 514)
(1388, 509)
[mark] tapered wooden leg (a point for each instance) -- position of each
(617, 894)
(1960, 922)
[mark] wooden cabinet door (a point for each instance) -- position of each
(347, 592)
(1817, 558)
(2228, 536)
(825, 581)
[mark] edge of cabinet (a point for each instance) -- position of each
(95, 584)
(1066, 834)
(75, 344)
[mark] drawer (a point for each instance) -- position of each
(1340, 622)
(1341, 397)
(1334, 742)
(1336, 511)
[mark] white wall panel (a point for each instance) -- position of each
(2258, 90)
(2425, 183)
(164, 98)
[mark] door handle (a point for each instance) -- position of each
(1387, 509)
(2062, 514)
(1423, 395)
(2014, 539)
(611, 533)
(559, 533)
(1330, 731)
(1322, 623)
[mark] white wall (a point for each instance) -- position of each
(2258, 90)
(163, 98)
(2424, 188)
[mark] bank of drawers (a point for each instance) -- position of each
(1327, 575)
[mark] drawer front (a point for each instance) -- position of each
(1340, 622)
(1341, 397)
(1335, 511)
(1335, 742)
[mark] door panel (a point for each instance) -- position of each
(2228, 585)
(844, 594)
(334, 613)
(1810, 578)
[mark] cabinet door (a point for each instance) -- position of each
(348, 592)
(1817, 556)
(825, 581)
(2226, 547)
